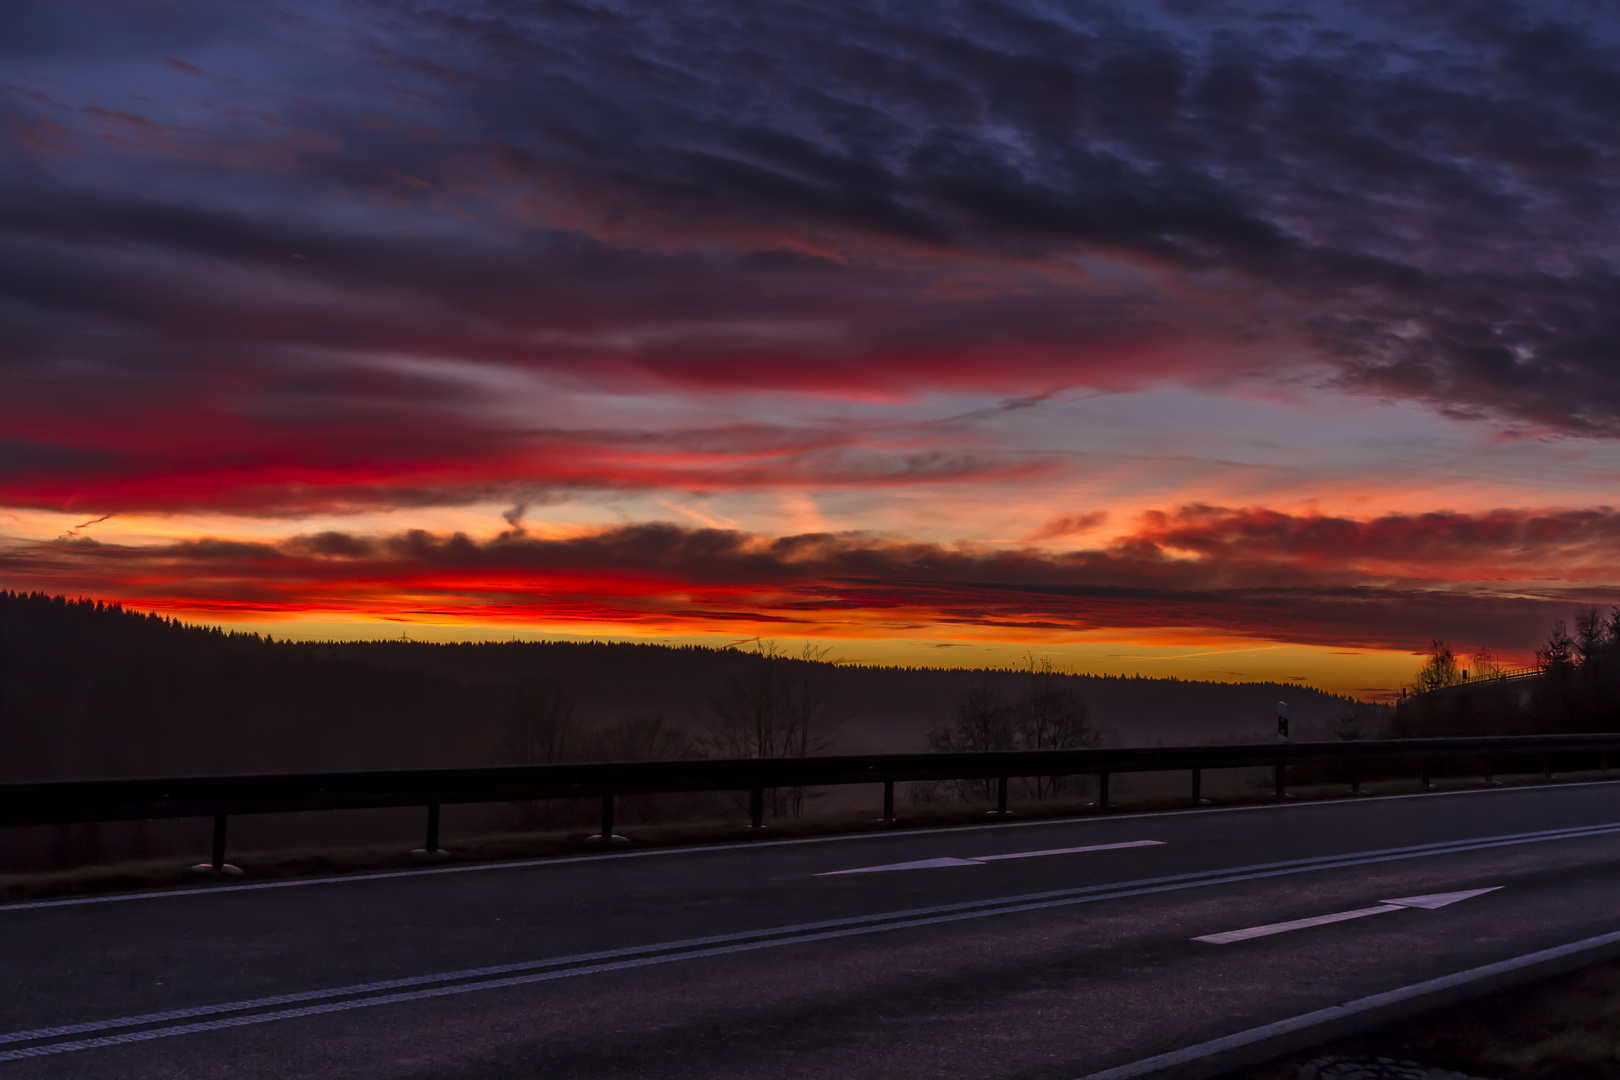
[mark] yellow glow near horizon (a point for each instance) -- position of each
(1365, 674)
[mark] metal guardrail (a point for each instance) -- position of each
(1510, 673)
(1504, 675)
(220, 797)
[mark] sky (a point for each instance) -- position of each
(1217, 340)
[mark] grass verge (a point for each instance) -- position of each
(1565, 1028)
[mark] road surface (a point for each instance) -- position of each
(1018, 950)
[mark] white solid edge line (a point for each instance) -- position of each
(752, 845)
(1147, 1066)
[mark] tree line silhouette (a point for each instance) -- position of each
(1577, 688)
(90, 689)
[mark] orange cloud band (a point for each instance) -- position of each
(1255, 573)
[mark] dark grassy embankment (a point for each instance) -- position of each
(1566, 1028)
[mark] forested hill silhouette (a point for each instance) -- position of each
(89, 689)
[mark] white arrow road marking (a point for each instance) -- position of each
(929, 864)
(918, 864)
(1438, 900)
(1295, 924)
(1384, 907)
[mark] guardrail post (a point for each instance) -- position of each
(1001, 796)
(218, 860)
(216, 863)
(1546, 766)
(888, 802)
(1279, 778)
(1355, 777)
(1426, 784)
(1102, 790)
(1490, 771)
(430, 848)
(1603, 761)
(756, 808)
(1198, 786)
(606, 835)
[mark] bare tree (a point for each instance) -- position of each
(1044, 714)
(542, 724)
(1051, 717)
(650, 738)
(776, 706)
(539, 731)
(1486, 664)
(641, 738)
(1439, 669)
(983, 721)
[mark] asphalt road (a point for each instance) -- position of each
(766, 960)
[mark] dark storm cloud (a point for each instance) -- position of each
(828, 197)
(32, 459)
(1435, 189)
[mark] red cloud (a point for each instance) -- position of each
(1570, 544)
(1254, 573)
(265, 469)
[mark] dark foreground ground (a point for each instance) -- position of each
(1036, 949)
(1566, 1028)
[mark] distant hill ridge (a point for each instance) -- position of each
(89, 688)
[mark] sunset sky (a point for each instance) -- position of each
(1203, 339)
